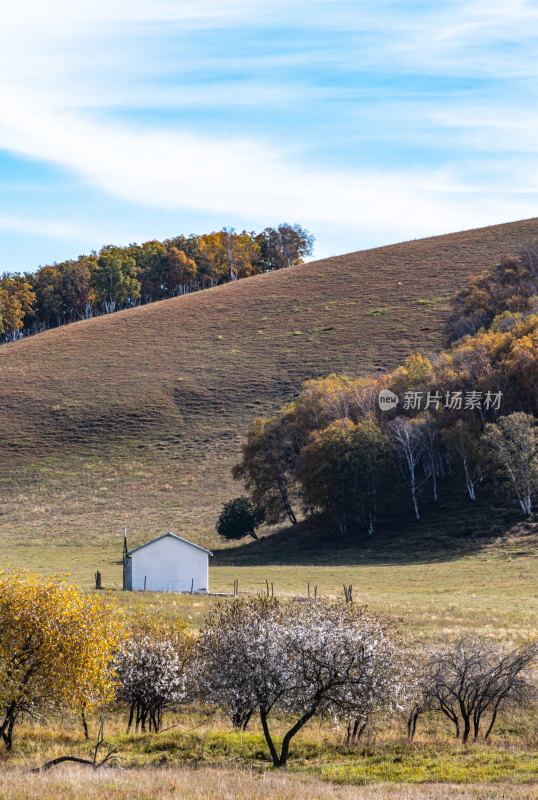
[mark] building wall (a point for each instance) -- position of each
(169, 565)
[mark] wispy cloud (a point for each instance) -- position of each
(347, 117)
(39, 227)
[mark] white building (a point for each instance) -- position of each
(167, 564)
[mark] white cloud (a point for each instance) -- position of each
(59, 59)
(57, 230)
(243, 178)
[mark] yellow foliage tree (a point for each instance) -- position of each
(56, 648)
(16, 301)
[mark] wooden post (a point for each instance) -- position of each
(192, 585)
(315, 592)
(272, 591)
(267, 587)
(97, 580)
(308, 586)
(145, 578)
(124, 556)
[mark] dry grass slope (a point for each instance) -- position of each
(136, 418)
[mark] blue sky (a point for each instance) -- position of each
(368, 123)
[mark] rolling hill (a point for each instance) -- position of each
(135, 418)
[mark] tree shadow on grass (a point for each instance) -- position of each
(443, 534)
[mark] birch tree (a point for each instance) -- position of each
(408, 442)
(461, 441)
(432, 451)
(513, 445)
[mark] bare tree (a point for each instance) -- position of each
(423, 697)
(473, 678)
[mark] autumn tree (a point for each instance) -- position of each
(284, 246)
(79, 296)
(346, 470)
(56, 649)
(150, 268)
(268, 469)
(227, 255)
(511, 286)
(64, 291)
(16, 302)
(180, 272)
(114, 278)
(513, 447)
(242, 253)
(48, 286)
(212, 264)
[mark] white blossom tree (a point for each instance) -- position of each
(317, 658)
(152, 669)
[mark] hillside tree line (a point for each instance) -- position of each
(121, 277)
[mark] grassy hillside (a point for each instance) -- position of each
(135, 419)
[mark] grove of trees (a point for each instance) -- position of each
(120, 277)
(467, 414)
(283, 662)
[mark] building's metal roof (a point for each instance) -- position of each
(173, 535)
